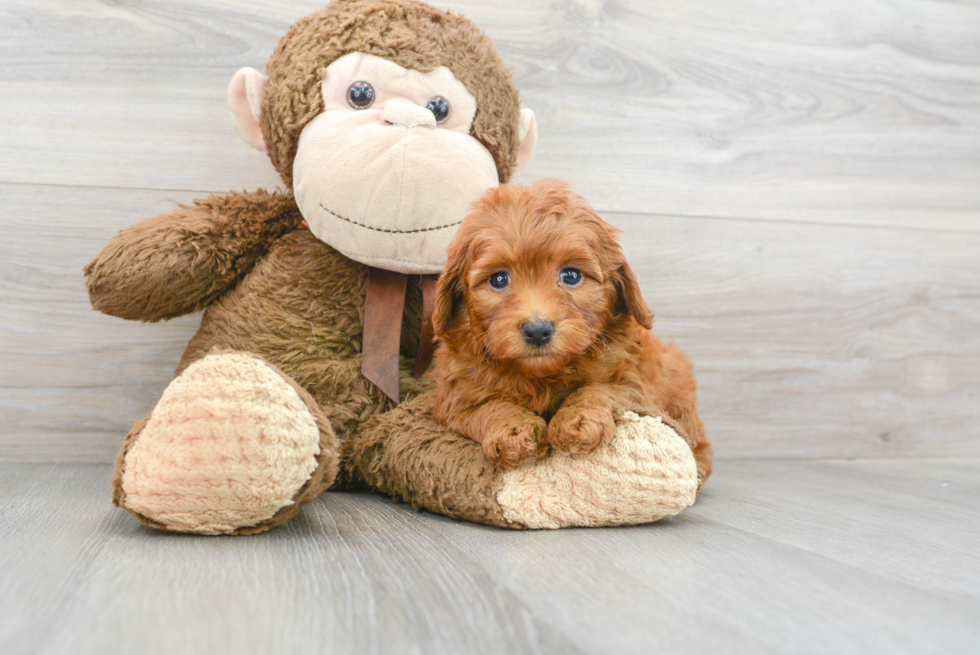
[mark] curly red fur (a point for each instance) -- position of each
(517, 399)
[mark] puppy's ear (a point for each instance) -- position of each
(450, 288)
(629, 299)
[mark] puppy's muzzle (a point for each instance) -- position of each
(538, 333)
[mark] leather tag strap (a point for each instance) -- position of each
(383, 309)
(427, 342)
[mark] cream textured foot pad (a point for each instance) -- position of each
(229, 444)
(646, 473)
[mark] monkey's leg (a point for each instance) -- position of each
(233, 447)
(647, 472)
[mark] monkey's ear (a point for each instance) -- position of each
(528, 131)
(630, 300)
(245, 102)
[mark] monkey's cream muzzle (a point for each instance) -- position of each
(387, 185)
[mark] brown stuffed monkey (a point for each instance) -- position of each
(385, 119)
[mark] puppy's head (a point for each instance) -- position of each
(534, 278)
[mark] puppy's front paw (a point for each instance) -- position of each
(578, 430)
(512, 443)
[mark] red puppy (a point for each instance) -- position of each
(544, 334)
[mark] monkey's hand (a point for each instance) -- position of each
(177, 263)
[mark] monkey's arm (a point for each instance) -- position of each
(585, 419)
(177, 263)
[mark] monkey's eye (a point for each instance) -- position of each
(360, 95)
(570, 276)
(439, 107)
(499, 280)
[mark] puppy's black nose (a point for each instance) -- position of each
(538, 333)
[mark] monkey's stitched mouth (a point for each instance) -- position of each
(386, 231)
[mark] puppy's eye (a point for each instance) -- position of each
(499, 280)
(360, 95)
(570, 276)
(439, 107)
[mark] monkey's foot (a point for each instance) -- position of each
(645, 473)
(233, 447)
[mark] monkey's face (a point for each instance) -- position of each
(387, 119)
(388, 170)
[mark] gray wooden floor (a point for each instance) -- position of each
(830, 556)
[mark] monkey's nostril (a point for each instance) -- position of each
(538, 333)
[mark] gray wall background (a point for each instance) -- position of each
(799, 183)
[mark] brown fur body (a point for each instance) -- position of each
(301, 307)
(270, 288)
(518, 399)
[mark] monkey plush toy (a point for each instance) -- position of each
(385, 119)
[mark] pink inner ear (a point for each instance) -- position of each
(245, 102)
